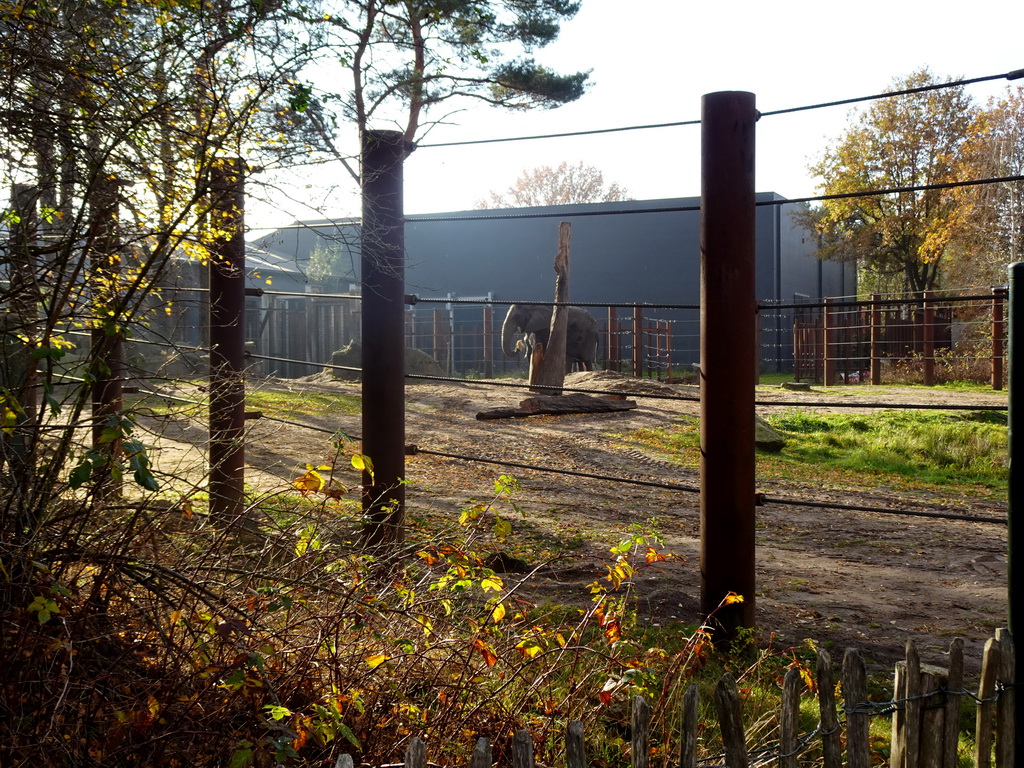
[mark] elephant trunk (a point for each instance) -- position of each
(509, 329)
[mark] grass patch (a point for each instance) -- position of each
(292, 404)
(967, 451)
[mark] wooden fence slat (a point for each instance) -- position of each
(1005, 734)
(906, 729)
(789, 717)
(986, 688)
(416, 754)
(688, 728)
(522, 749)
(575, 751)
(730, 718)
(855, 692)
(481, 757)
(831, 744)
(641, 730)
(954, 701)
(932, 733)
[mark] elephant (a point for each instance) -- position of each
(534, 322)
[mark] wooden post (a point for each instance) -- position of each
(998, 336)
(1006, 734)
(522, 749)
(550, 369)
(488, 341)
(638, 341)
(855, 692)
(954, 699)
(481, 757)
(728, 303)
(789, 718)
(1015, 502)
(614, 349)
(990, 665)
(876, 340)
(829, 342)
(688, 720)
(440, 333)
(641, 731)
(383, 384)
(107, 334)
(928, 334)
(227, 345)
(830, 736)
(416, 754)
(20, 330)
(575, 752)
(730, 720)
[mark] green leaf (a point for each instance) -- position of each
(277, 712)
(242, 757)
(80, 475)
(347, 733)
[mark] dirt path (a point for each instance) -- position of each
(850, 578)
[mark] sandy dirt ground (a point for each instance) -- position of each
(845, 578)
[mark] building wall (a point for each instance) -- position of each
(622, 252)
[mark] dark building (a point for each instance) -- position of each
(644, 251)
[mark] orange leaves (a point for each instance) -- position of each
(486, 651)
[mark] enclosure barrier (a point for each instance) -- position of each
(925, 712)
(924, 339)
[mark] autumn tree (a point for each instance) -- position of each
(911, 140)
(564, 185)
(411, 57)
(995, 236)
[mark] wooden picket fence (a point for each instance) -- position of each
(925, 711)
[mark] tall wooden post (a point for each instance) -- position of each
(20, 333)
(876, 340)
(383, 271)
(614, 353)
(1015, 504)
(107, 333)
(548, 368)
(638, 341)
(227, 343)
(998, 336)
(488, 351)
(728, 307)
(829, 343)
(928, 334)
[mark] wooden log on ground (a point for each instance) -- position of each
(558, 406)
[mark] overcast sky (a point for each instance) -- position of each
(653, 60)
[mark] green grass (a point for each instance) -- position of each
(967, 450)
(292, 404)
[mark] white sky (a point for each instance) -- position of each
(653, 60)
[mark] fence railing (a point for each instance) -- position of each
(925, 712)
(925, 340)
